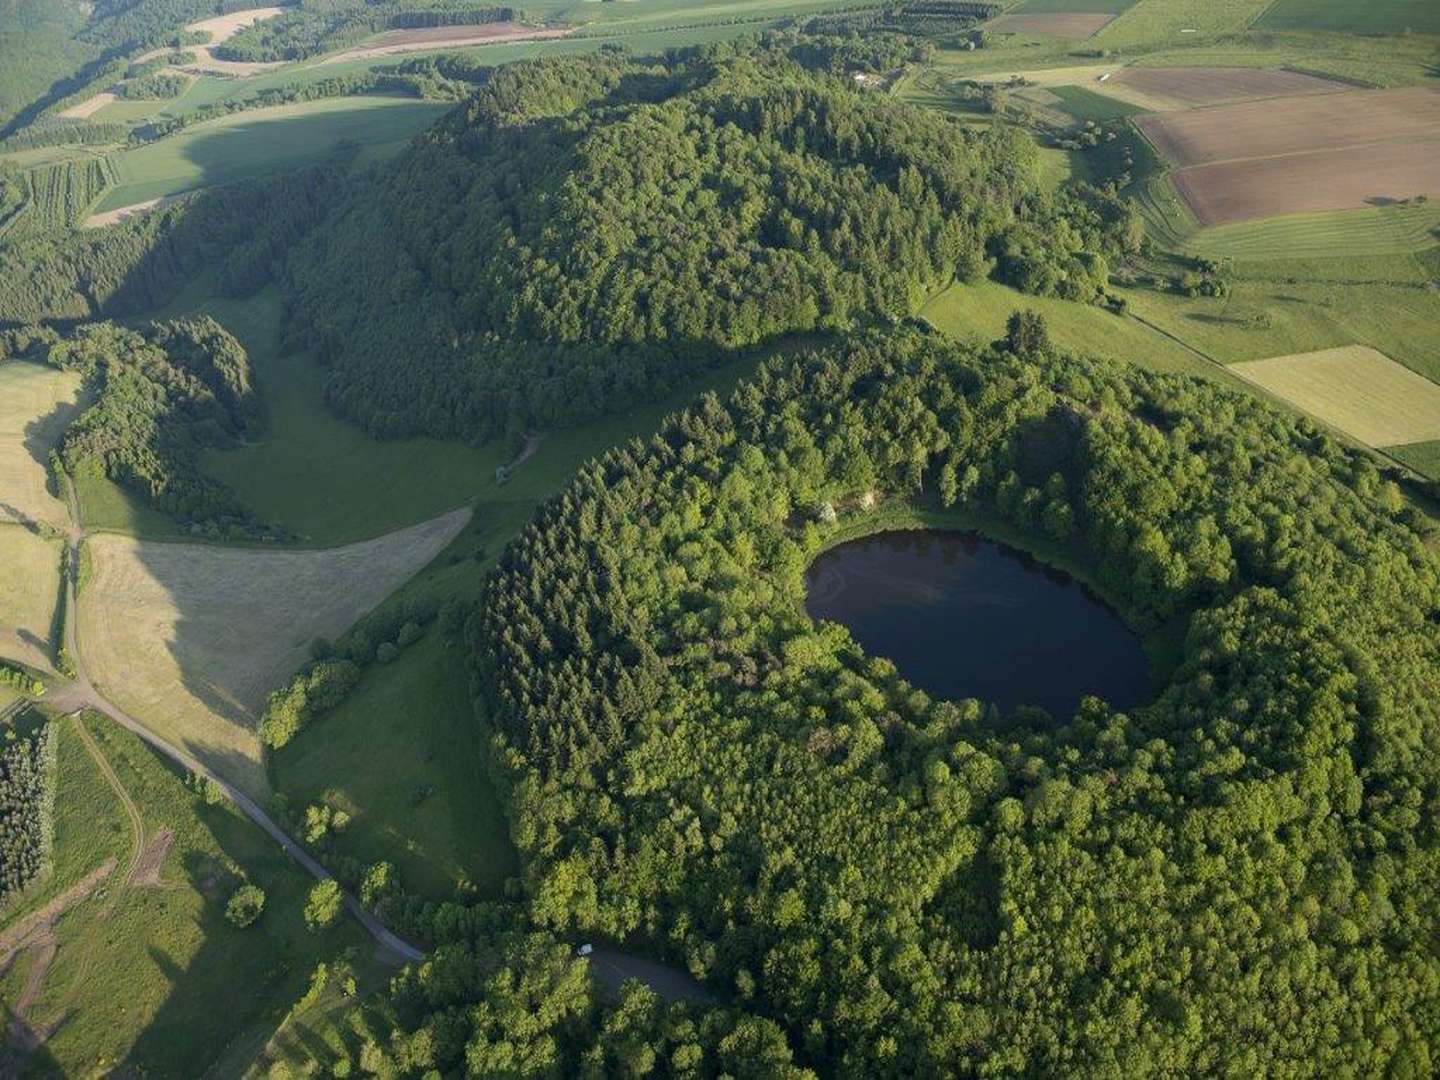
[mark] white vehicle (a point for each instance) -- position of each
(585, 950)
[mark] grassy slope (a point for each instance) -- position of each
(154, 979)
(425, 803)
(261, 141)
(29, 591)
(1383, 230)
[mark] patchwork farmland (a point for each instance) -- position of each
(1302, 154)
(1069, 19)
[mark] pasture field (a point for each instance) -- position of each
(1085, 104)
(978, 314)
(29, 592)
(189, 638)
(371, 487)
(1423, 457)
(146, 977)
(1355, 389)
(1263, 318)
(1301, 154)
(1349, 17)
(261, 141)
(36, 403)
(426, 804)
(1381, 230)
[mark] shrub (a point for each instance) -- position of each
(322, 907)
(246, 904)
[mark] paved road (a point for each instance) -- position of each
(81, 693)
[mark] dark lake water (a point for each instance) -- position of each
(963, 617)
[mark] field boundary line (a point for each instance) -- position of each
(137, 820)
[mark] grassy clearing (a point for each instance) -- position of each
(978, 313)
(370, 487)
(1347, 16)
(1356, 389)
(151, 980)
(29, 592)
(1086, 104)
(189, 638)
(1384, 230)
(36, 402)
(425, 804)
(1423, 457)
(261, 141)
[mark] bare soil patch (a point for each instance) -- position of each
(147, 869)
(223, 27)
(122, 213)
(1302, 154)
(399, 41)
(90, 106)
(1341, 179)
(1074, 26)
(190, 638)
(1294, 125)
(41, 921)
(1184, 88)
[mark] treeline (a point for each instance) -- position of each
(945, 22)
(58, 131)
(534, 270)
(318, 26)
(161, 396)
(153, 87)
(53, 197)
(907, 886)
(237, 232)
(27, 806)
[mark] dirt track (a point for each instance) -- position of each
(438, 37)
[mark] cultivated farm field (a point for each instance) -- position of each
(1357, 390)
(190, 638)
(1348, 16)
(1167, 89)
(29, 592)
(1301, 154)
(36, 402)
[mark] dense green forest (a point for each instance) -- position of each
(1239, 878)
(533, 269)
(161, 396)
(27, 797)
(312, 27)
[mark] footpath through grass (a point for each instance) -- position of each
(149, 978)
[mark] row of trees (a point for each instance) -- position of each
(1238, 877)
(317, 26)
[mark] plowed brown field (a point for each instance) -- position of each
(1189, 87)
(1075, 26)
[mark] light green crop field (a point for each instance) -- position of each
(1172, 22)
(1355, 389)
(149, 978)
(1348, 16)
(1383, 230)
(36, 402)
(29, 592)
(261, 141)
(125, 112)
(426, 804)
(1085, 104)
(978, 314)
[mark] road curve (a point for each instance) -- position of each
(82, 693)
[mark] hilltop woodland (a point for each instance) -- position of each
(160, 396)
(536, 271)
(1240, 877)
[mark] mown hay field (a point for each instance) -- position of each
(190, 638)
(29, 591)
(1355, 389)
(36, 402)
(1379, 230)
